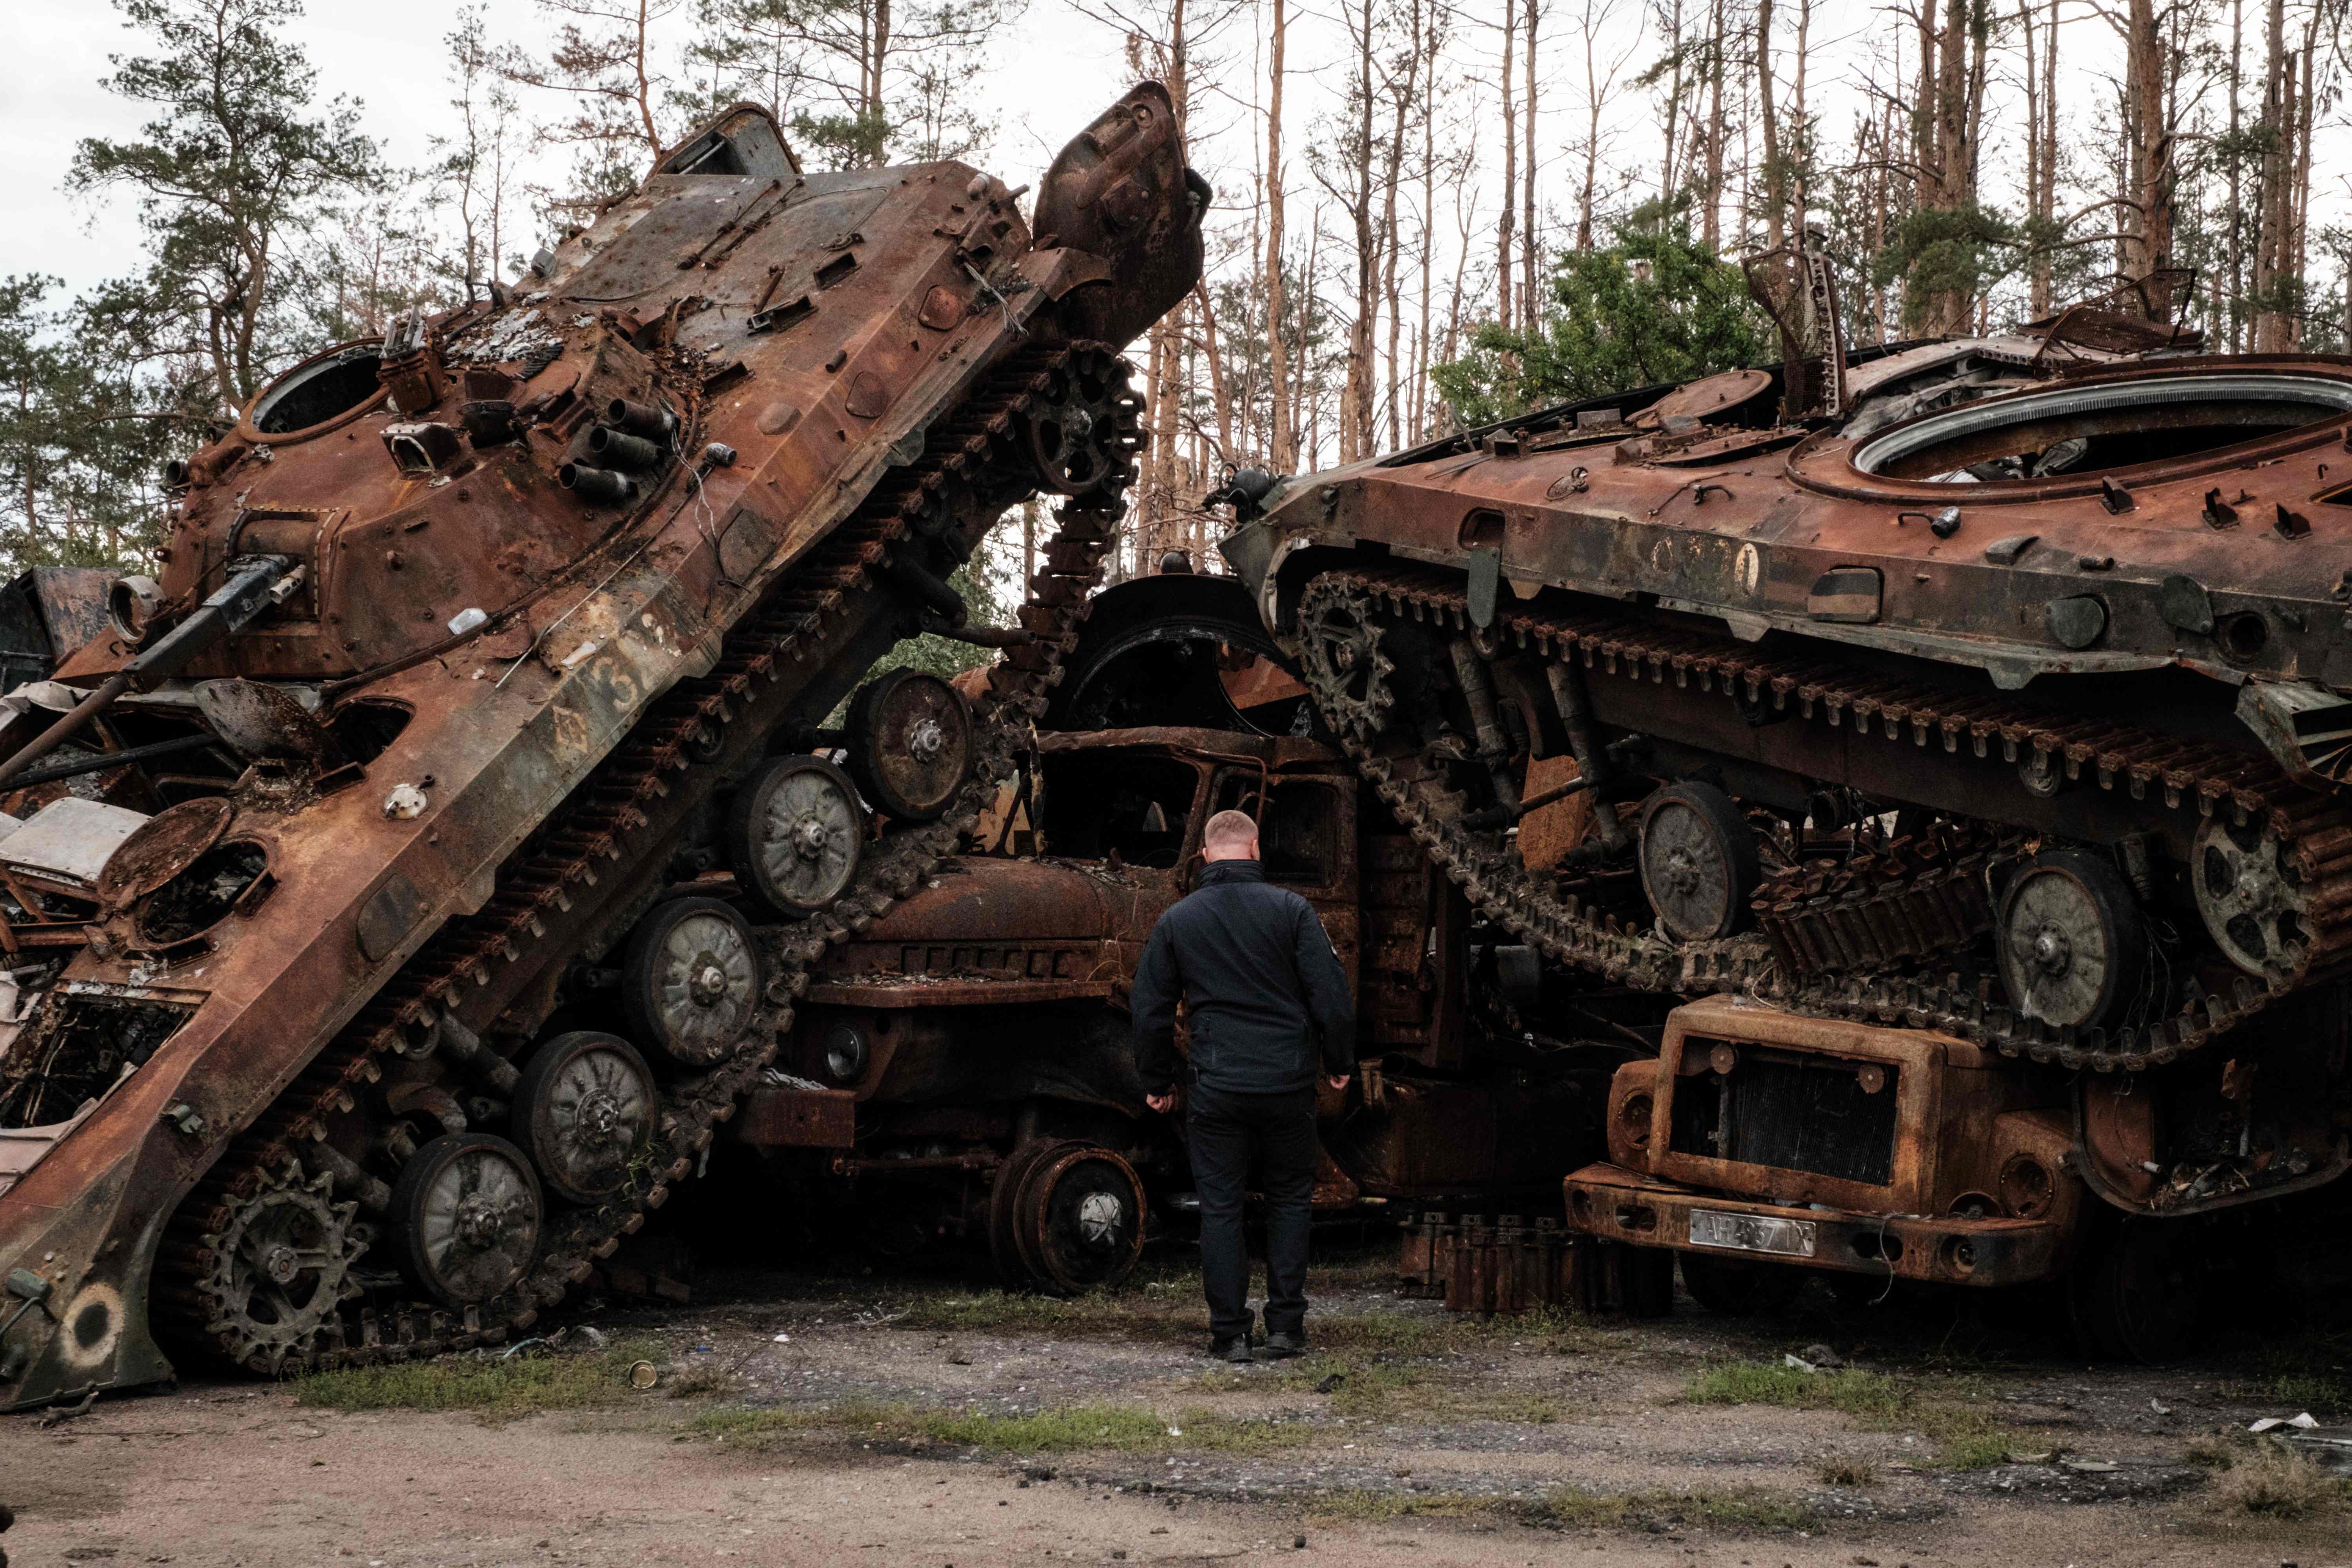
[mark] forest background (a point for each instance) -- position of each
(1428, 214)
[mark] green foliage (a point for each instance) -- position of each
(78, 452)
(1950, 251)
(1064, 1429)
(1656, 306)
(232, 168)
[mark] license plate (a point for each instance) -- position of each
(1752, 1233)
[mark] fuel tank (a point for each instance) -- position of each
(435, 852)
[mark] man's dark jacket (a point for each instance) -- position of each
(1261, 984)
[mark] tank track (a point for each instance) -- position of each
(1919, 896)
(2316, 831)
(783, 628)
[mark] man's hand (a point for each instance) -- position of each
(1338, 1080)
(1162, 1103)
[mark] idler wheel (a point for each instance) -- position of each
(1075, 1216)
(2074, 948)
(1739, 1286)
(795, 834)
(1699, 864)
(583, 1109)
(909, 744)
(2252, 902)
(469, 1208)
(691, 980)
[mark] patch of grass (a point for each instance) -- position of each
(1965, 1435)
(706, 1380)
(1863, 1393)
(1525, 1409)
(1366, 1388)
(495, 1386)
(1123, 1429)
(1846, 1473)
(2212, 1453)
(2276, 1485)
(1738, 1509)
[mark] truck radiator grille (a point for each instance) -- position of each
(1796, 1113)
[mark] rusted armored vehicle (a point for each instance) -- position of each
(1994, 687)
(397, 984)
(960, 1071)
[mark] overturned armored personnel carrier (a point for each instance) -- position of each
(1996, 688)
(436, 854)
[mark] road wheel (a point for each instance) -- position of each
(468, 1209)
(795, 834)
(585, 1108)
(909, 744)
(2074, 948)
(691, 980)
(1699, 865)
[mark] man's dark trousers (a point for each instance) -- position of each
(1225, 1130)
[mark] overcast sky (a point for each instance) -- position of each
(1053, 73)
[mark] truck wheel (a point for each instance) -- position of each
(795, 834)
(469, 1208)
(2137, 1294)
(1736, 1287)
(690, 979)
(909, 744)
(1077, 1218)
(584, 1107)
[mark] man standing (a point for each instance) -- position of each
(1263, 992)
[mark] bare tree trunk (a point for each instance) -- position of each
(2234, 321)
(1528, 178)
(1503, 258)
(1711, 230)
(1767, 91)
(1282, 446)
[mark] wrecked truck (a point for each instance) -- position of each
(960, 1072)
(1995, 689)
(477, 650)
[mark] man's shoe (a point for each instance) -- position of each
(1235, 1350)
(1283, 1344)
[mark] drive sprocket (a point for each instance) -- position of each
(280, 1267)
(1340, 647)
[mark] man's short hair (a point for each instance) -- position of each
(1229, 830)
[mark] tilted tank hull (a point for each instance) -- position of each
(532, 593)
(1995, 687)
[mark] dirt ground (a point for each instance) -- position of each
(873, 1419)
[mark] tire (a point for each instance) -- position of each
(2136, 1293)
(1738, 1287)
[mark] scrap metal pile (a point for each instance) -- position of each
(359, 994)
(1973, 710)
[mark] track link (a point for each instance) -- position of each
(787, 625)
(2315, 830)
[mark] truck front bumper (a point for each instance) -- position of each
(1611, 1202)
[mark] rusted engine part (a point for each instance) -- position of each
(1501, 1266)
(2229, 791)
(804, 621)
